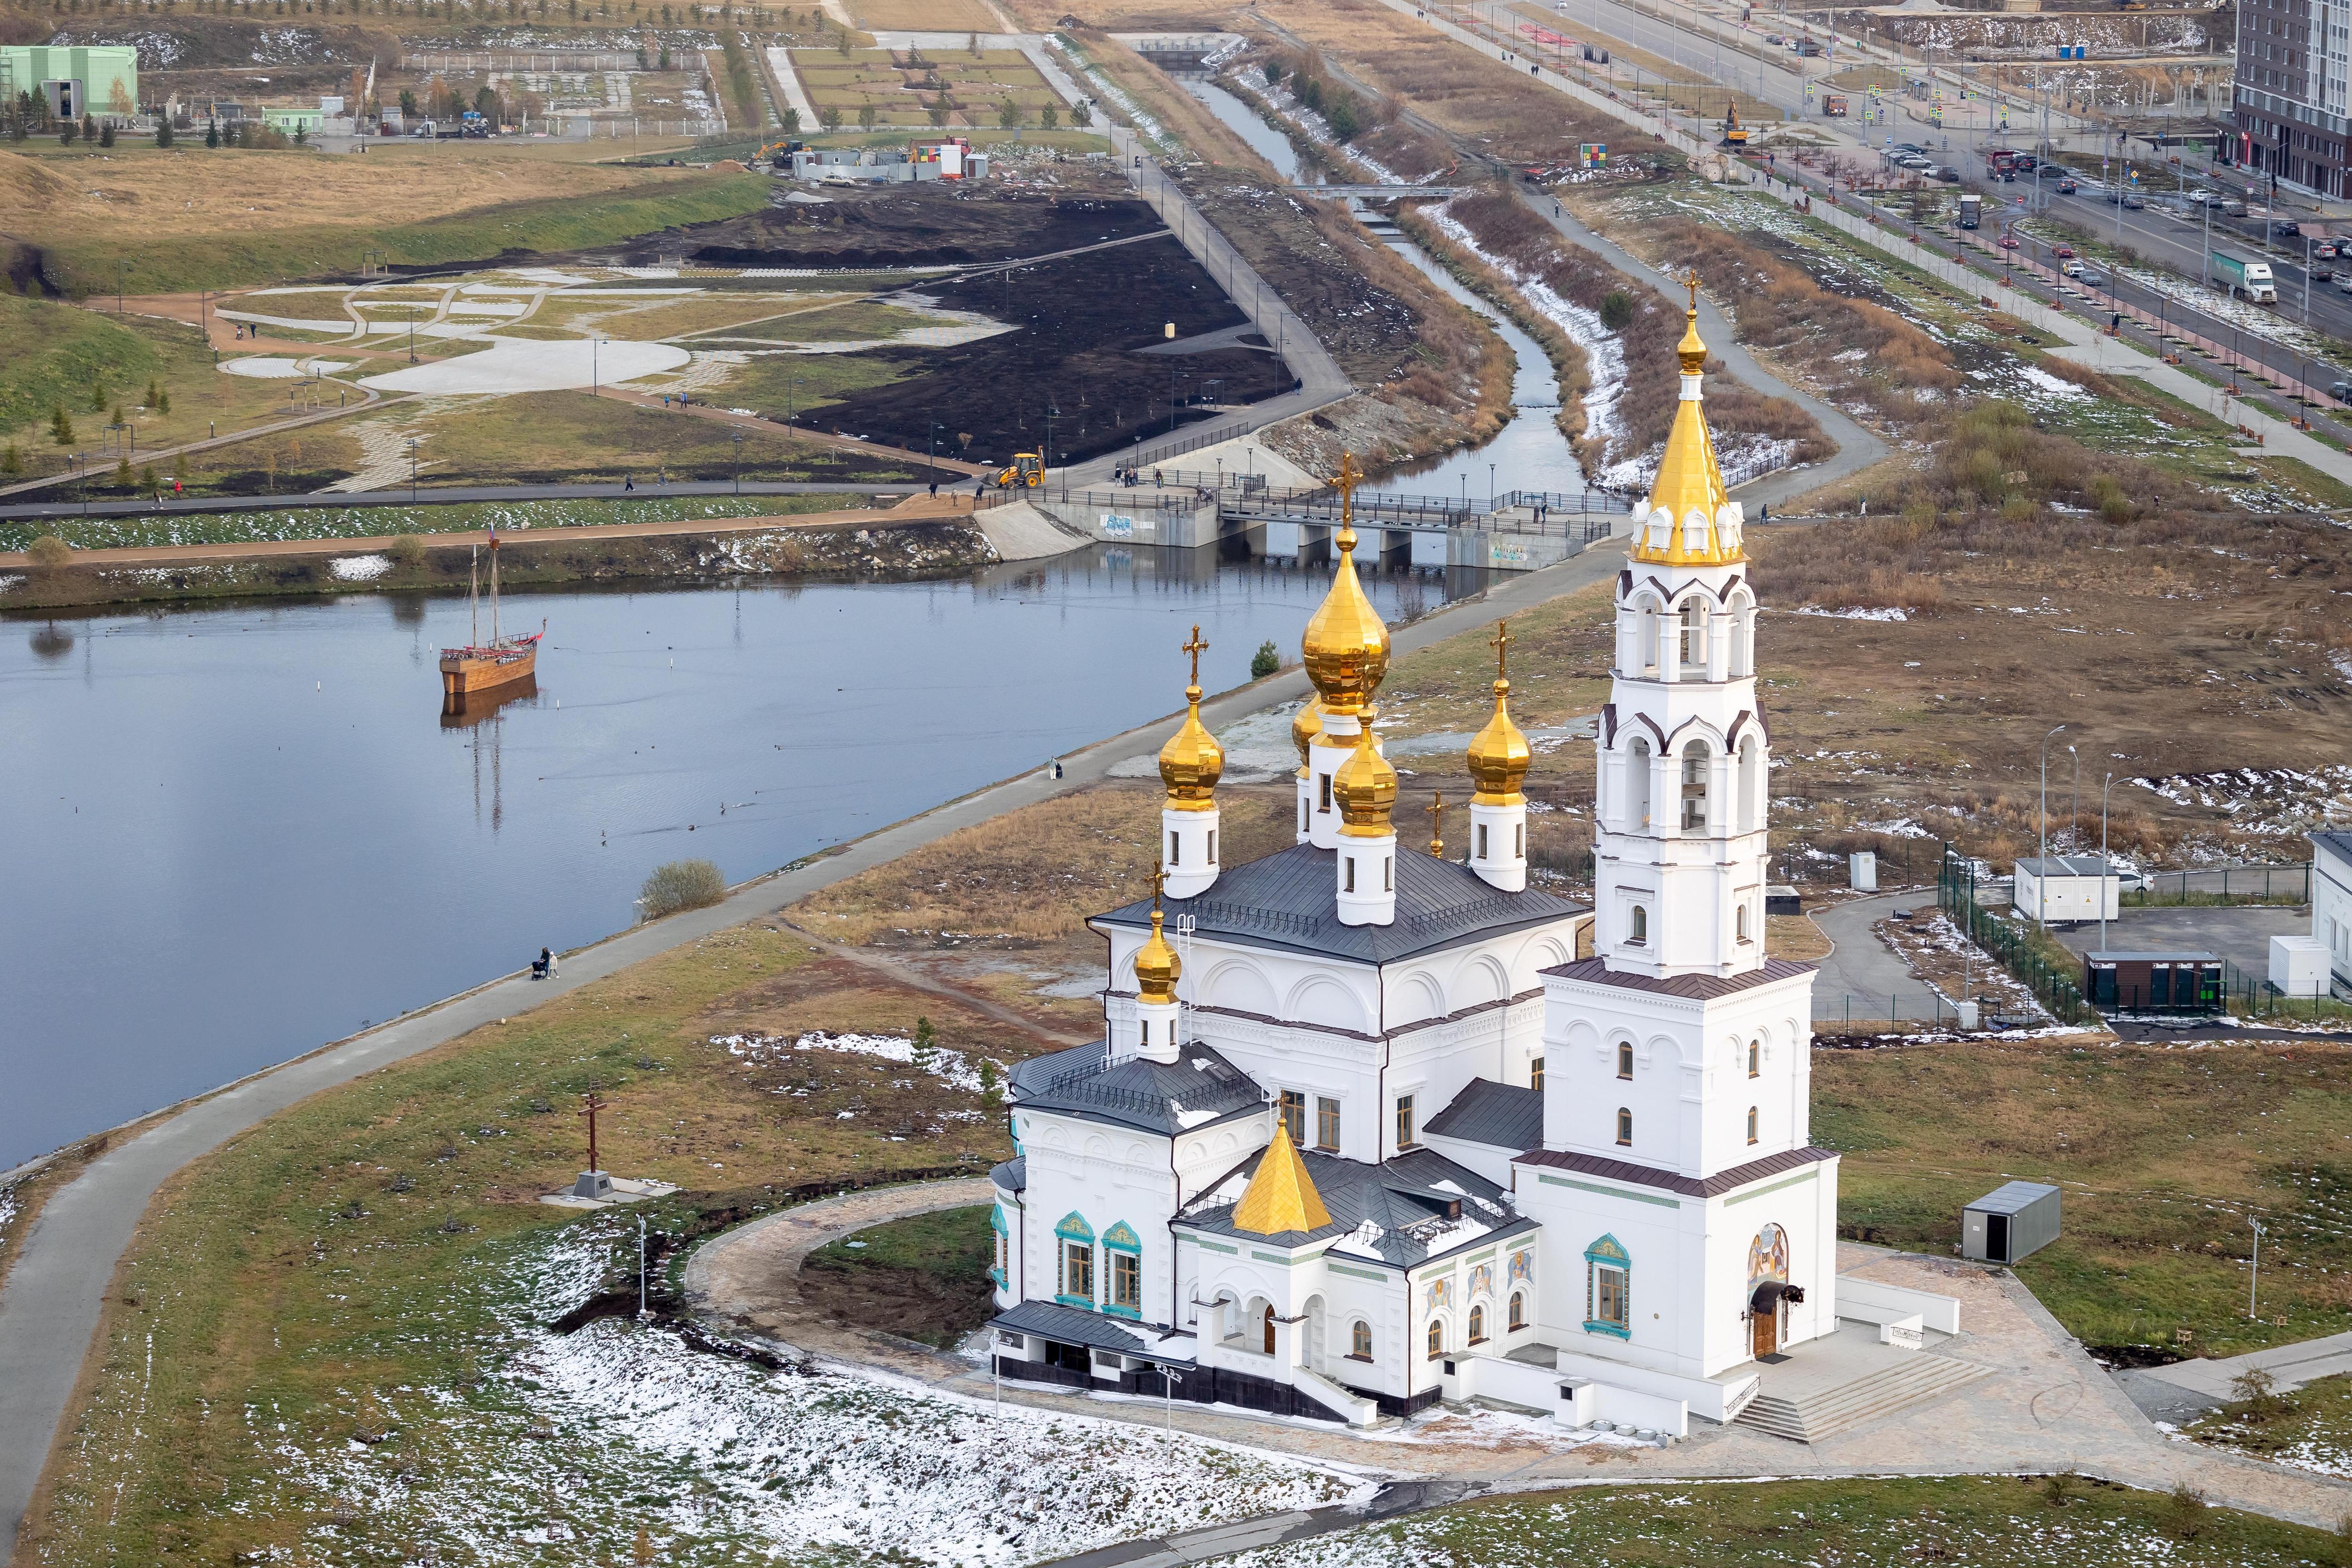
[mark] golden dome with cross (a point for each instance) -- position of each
(1156, 967)
(1191, 762)
(1345, 646)
(1500, 753)
(1690, 480)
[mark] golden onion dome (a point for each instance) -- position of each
(1346, 646)
(1305, 728)
(1499, 755)
(1689, 477)
(1156, 967)
(1191, 762)
(1366, 787)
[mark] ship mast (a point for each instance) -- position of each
(473, 595)
(494, 585)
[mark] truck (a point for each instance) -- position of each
(1833, 103)
(2000, 162)
(2238, 275)
(1971, 209)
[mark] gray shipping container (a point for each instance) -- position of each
(2010, 1222)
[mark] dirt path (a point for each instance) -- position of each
(899, 973)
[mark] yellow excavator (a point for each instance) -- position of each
(1734, 133)
(1027, 472)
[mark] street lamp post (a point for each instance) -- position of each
(2041, 898)
(738, 462)
(2254, 1283)
(412, 470)
(2107, 866)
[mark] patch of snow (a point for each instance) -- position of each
(950, 1067)
(361, 568)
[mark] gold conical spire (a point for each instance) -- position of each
(1281, 1196)
(1499, 755)
(1157, 966)
(1346, 646)
(1365, 786)
(1305, 728)
(1191, 762)
(1690, 478)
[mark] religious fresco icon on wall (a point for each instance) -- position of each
(1768, 1257)
(1482, 1280)
(1441, 1292)
(1523, 1267)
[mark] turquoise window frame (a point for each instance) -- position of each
(1607, 1253)
(1121, 1237)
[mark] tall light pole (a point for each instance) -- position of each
(2254, 1285)
(2041, 897)
(738, 462)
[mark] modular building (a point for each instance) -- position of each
(2010, 1222)
(2153, 982)
(890, 165)
(75, 78)
(2331, 899)
(2066, 888)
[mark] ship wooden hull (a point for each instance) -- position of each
(470, 674)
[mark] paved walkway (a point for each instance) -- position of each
(50, 1300)
(1860, 966)
(2043, 1405)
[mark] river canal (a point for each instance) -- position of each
(1528, 453)
(234, 833)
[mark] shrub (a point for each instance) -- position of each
(1339, 114)
(680, 884)
(163, 132)
(407, 552)
(1617, 309)
(2184, 1512)
(50, 553)
(11, 461)
(62, 428)
(1081, 114)
(1265, 660)
(1047, 118)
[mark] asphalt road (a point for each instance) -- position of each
(430, 495)
(50, 1300)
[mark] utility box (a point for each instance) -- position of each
(2154, 982)
(1862, 870)
(2066, 888)
(2009, 1223)
(1780, 899)
(2299, 965)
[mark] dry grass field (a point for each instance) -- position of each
(925, 15)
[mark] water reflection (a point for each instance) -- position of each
(253, 828)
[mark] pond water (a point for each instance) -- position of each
(237, 833)
(1527, 454)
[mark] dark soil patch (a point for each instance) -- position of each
(923, 1277)
(1081, 320)
(910, 226)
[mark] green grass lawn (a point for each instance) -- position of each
(268, 255)
(2310, 1429)
(925, 1276)
(58, 356)
(1984, 1523)
(2162, 1154)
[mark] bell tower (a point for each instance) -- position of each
(1684, 761)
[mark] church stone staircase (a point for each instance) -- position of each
(1811, 1416)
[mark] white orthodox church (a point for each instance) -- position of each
(1381, 1136)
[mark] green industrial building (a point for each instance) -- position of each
(75, 80)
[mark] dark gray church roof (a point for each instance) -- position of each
(1501, 1114)
(1394, 1212)
(1290, 900)
(1013, 1175)
(1070, 1326)
(1198, 1089)
(1028, 1076)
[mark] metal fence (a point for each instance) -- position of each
(1896, 1013)
(2011, 944)
(2226, 885)
(1213, 436)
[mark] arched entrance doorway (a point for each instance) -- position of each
(1267, 1319)
(1769, 1290)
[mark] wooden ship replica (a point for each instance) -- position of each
(497, 667)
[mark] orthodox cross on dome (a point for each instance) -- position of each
(1436, 809)
(1158, 881)
(591, 1103)
(1349, 476)
(1196, 647)
(1690, 281)
(1501, 643)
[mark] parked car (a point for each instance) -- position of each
(1946, 173)
(2062, 251)
(2129, 878)
(2341, 391)
(2342, 280)
(2092, 277)
(2324, 253)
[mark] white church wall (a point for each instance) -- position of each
(1664, 1267)
(1108, 1176)
(1803, 1206)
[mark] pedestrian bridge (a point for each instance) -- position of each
(1385, 192)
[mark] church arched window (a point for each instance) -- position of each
(1693, 651)
(1624, 1126)
(1625, 1058)
(1696, 761)
(1518, 1311)
(1743, 637)
(1436, 1339)
(1739, 923)
(1751, 1124)
(1359, 1341)
(1637, 786)
(1755, 1059)
(1478, 1325)
(1637, 928)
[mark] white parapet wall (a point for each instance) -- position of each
(1872, 1301)
(1717, 1399)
